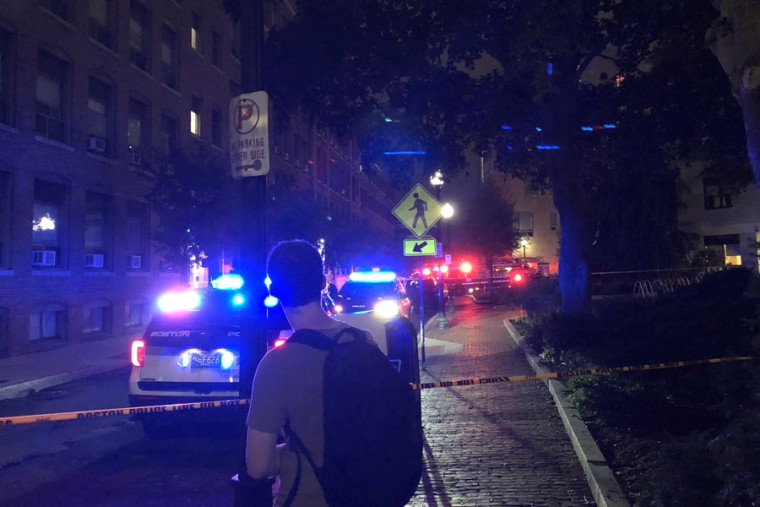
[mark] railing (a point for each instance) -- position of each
(646, 284)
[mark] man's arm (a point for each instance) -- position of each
(263, 456)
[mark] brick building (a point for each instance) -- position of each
(92, 93)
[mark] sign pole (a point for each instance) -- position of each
(253, 191)
(422, 312)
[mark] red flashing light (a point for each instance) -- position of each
(518, 278)
(138, 353)
(444, 269)
(426, 272)
(466, 267)
(279, 342)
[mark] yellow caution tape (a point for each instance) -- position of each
(178, 407)
(579, 373)
(110, 412)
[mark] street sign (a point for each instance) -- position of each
(418, 211)
(249, 135)
(419, 247)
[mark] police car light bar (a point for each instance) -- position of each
(372, 276)
(230, 281)
(179, 301)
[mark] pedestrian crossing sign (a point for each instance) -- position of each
(418, 211)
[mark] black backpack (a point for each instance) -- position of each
(372, 425)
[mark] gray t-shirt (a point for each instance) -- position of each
(287, 387)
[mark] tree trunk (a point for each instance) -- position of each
(573, 263)
(734, 38)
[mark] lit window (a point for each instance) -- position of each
(195, 33)
(195, 117)
(716, 197)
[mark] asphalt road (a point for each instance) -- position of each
(110, 461)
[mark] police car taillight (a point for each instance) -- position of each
(279, 342)
(138, 353)
(518, 278)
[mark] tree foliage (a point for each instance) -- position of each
(195, 200)
(456, 76)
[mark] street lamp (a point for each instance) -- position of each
(523, 244)
(437, 180)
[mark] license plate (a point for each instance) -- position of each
(205, 360)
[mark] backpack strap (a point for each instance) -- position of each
(321, 341)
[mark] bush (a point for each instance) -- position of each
(686, 436)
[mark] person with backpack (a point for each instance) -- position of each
(350, 423)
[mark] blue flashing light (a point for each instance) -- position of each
(547, 147)
(506, 128)
(549, 68)
(388, 119)
(609, 126)
(238, 300)
(586, 128)
(509, 147)
(231, 281)
(539, 129)
(408, 152)
(267, 282)
(179, 301)
(270, 301)
(372, 276)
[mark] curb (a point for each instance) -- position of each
(605, 488)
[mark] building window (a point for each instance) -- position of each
(5, 219)
(553, 223)
(100, 118)
(168, 134)
(134, 314)
(216, 49)
(48, 324)
(97, 317)
(716, 197)
(524, 223)
(47, 223)
(139, 35)
(216, 128)
(61, 8)
(102, 23)
(137, 233)
(195, 33)
(195, 116)
(98, 224)
(52, 85)
(137, 132)
(235, 43)
(169, 57)
(6, 76)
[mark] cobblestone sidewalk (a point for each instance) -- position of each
(496, 444)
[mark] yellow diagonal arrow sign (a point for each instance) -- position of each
(419, 247)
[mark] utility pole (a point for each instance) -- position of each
(253, 244)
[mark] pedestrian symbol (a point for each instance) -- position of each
(419, 211)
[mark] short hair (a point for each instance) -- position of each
(295, 270)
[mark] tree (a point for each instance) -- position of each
(195, 201)
(464, 74)
(735, 40)
(486, 224)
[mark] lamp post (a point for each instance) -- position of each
(524, 244)
(436, 180)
